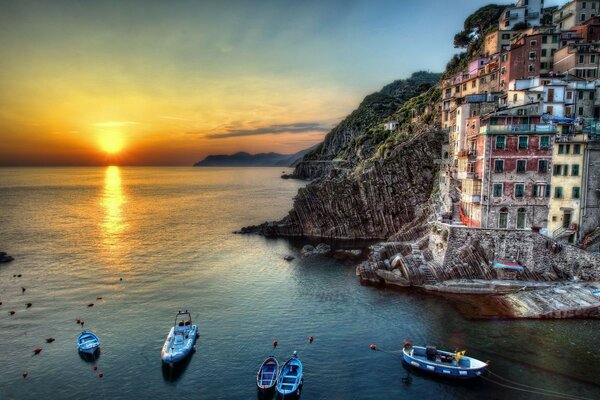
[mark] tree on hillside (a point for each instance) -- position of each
(477, 23)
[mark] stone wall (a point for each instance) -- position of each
(530, 249)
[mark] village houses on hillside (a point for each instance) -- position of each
(524, 125)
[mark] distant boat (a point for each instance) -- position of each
(443, 363)
(88, 342)
(180, 340)
(266, 379)
(290, 378)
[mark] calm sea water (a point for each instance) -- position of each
(166, 232)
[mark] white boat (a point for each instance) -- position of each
(88, 342)
(180, 340)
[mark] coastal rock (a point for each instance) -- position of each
(347, 254)
(289, 258)
(320, 249)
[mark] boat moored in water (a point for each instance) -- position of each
(88, 342)
(290, 378)
(266, 379)
(180, 340)
(443, 363)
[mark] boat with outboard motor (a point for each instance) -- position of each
(290, 378)
(180, 340)
(443, 363)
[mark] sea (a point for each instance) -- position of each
(123, 249)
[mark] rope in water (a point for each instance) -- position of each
(518, 386)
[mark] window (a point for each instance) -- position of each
(519, 190)
(531, 68)
(583, 16)
(583, 5)
(549, 110)
(565, 170)
(580, 111)
(474, 84)
(561, 149)
(552, 51)
(557, 169)
(581, 59)
(498, 166)
(539, 190)
(576, 149)
(554, 40)
(558, 192)
(544, 52)
(569, 95)
(580, 95)
(576, 192)
(523, 142)
(533, 43)
(567, 148)
(515, 97)
(521, 218)
(464, 86)
(497, 190)
(500, 142)
(543, 166)
(544, 39)
(575, 170)
(532, 55)
(591, 95)
(503, 219)
(521, 166)
(592, 58)
(545, 142)
(547, 191)
(506, 36)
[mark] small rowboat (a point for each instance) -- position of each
(266, 379)
(290, 378)
(180, 340)
(443, 363)
(88, 342)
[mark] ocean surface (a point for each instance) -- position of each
(143, 243)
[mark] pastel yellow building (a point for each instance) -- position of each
(565, 206)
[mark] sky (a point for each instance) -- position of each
(169, 82)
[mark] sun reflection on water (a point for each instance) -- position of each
(113, 199)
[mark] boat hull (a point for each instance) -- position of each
(179, 344)
(88, 342)
(440, 369)
(267, 375)
(290, 380)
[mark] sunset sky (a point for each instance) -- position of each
(167, 83)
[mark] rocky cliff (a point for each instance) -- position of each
(369, 182)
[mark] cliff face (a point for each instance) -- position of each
(340, 145)
(371, 202)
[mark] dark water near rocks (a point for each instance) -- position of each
(166, 232)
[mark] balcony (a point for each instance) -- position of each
(510, 16)
(533, 15)
(563, 15)
(507, 129)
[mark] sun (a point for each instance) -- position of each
(111, 141)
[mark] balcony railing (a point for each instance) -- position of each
(531, 128)
(532, 15)
(563, 15)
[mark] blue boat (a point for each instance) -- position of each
(180, 340)
(266, 379)
(290, 379)
(88, 342)
(443, 363)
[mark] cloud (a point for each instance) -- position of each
(114, 124)
(300, 127)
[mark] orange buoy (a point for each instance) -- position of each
(81, 322)
(95, 367)
(100, 375)
(25, 374)
(37, 350)
(78, 321)
(275, 343)
(373, 346)
(310, 339)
